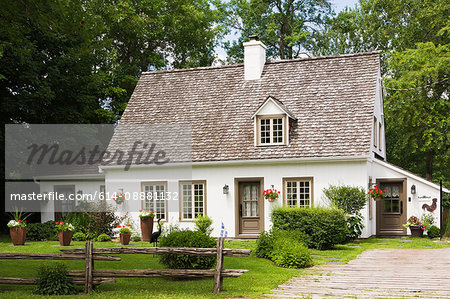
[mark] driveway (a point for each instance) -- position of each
(376, 273)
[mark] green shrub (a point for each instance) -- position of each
(284, 248)
(42, 231)
(103, 238)
(79, 236)
(322, 227)
(187, 238)
(348, 198)
(203, 224)
(135, 238)
(289, 253)
(433, 232)
(53, 280)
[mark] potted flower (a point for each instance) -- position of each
(124, 234)
(120, 198)
(18, 231)
(65, 232)
(271, 195)
(376, 193)
(416, 226)
(146, 224)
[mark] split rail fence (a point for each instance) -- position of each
(90, 277)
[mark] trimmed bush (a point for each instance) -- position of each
(187, 238)
(348, 198)
(323, 227)
(42, 231)
(203, 224)
(285, 248)
(53, 280)
(433, 232)
(103, 238)
(79, 236)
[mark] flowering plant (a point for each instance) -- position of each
(17, 223)
(64, 226)
(414, 221)
(271, 194)
(120, 198)
(143, 214)
(124, 229)
(376, 192)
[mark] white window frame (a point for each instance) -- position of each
(375, 129)
(298, 180)
(153, 199)
(271, 118)
(181, 198)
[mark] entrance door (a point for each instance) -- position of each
(250, 207)
(391, 211)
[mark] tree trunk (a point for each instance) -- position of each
(429, 166)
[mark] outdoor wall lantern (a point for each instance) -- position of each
(226, 188)
(413, 189)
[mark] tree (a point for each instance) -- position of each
(417, 107)
(286, 27)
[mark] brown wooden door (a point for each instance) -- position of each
(391, 211)
(250, 205)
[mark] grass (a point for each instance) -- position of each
(261, 278)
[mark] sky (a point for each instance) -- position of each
(337, 5)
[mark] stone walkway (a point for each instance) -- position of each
(376, 273)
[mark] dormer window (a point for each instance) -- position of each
(272, 123)
(271, 130)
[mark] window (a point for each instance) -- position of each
(375, 127)
(379, 136)
(298, 192)
(193, 199)
(271, 130)
(155, 199)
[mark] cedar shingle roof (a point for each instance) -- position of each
(332, 98)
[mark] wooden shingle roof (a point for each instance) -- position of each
(332, 98)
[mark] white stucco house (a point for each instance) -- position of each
(294, 125)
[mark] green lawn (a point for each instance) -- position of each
(262, 277)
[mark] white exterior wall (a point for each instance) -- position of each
(220, 207)
(425, 190)
(379, 114)
(87, 187)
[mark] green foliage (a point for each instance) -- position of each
(135, 238)
(433, 232)
(42, 231)
(355, 226)
(203, 224)
(286, 27)
(427, 220)
(53, 280)
(103, 238)
(187, 238)
(79, 236)
(284, 248)
(348, 198)
(323, 227)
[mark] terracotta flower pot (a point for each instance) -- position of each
(146, 228)
(271, 199)
(18, 235)
(416, 231)
(125, 239)
(65, 237)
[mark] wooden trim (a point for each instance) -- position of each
(311, 187)
(375, 128)
(166, 203)
(236, 203)
(284, 118)
(180, 198)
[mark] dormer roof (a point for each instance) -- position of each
(275, 102)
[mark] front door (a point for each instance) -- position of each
(391, 211)
(250, 208)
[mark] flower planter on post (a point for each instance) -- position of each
(416, 231)
(65, 237)
(18, 235)
(125, 239)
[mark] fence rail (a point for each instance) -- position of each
(90, 277)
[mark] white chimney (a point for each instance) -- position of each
(254, 58)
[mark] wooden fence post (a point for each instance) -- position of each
(218, 279)
(89, 268)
